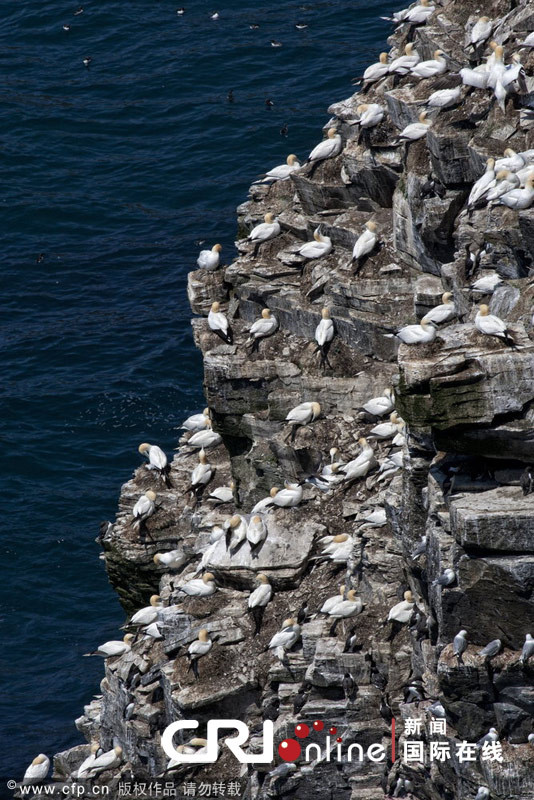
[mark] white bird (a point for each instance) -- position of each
(286, 637)
(282, 171)
(258, 600)
(84, 768)
(256, 533)
(37, 771)
(374, 519)
(403, 64)
(370, 115)
(289, 497)
(360, 466)
(483, 793)
(487, 284)
(339, 550)
(205, 439)
(377, 70)
(447, 578)
(477, 77)
(223, 494)
(481, 31)
(153, 631)
(491, 736)
(419, 13)
(430, 68)
(197, 649)
(197, 422)
(114, 648)
(385, 430)
(382, 405)
(235, 528)
(490, 325)
(459, 645)
(263, 232)
(200, 587)
(513, 72)
(482, 186)
(511, 160)
(390, 465)
(402, 612)
(365, 243)
(505, 181)
(415, 130)
(444, 98)
(529, 41)
(173, 559)
(344, 609)
(519, 199)
(417, 334)
(200, 476)
(324, 334)
(330, 602)
(218, 323)
(144, 508)
(328, 148)
(148, 614)
(320, 246)
(497, 68)
(399, 440)
(442, 313)
(209, 259)
(108, 760)
(528, 649)
(261, 329)
(301, 415)
(157, 460)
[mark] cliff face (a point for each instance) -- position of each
(467, 403)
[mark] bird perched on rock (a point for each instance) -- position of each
(85, 767)
(236, 532)
(222, 494)
(385, 430)
(348, 684)
(527, 651)
(518, 199)
(109, 760)
(261, 329)
(301, 698)
(37, 771)
(288, 497)
(301, 415)
(370, 115)
(365, 243)
(286, 638)
(360, 466)
(351, 642)
(258, 601)
(447, 578)
(328, 148)
(445, 98)
(527, 480)
(264, 232)
(204, 439)
(330, 602)
(415, 130)
(173, 559)
(417, 334)
(505, 181)
(256, 534)
(491, 736)
(114, 648)
(200, 587)
(419, 549)
(197, 422)
(344, 609)
(148, 614)
(373, 519)
(339, 549)
(324, 334)
(491, 650)
(283, 171)
(429, 69)
(490, 325)
(198, 649)
(482, 186)
(157, 460)
(400, 614)
(271, 708)
(218, 323)
(143, 509)
(442, 313)
(200, 476)
(437, 710)
(374, 72)
(487, 283)
(481, 31)
(320, 247)
(403, 64)
(381, 405)
(209, 259)
(483, 793)
(459, 645)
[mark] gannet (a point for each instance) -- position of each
(200, 476)
(108, 760)
(259, 599)
(197, 649)
(419, 13)
(415, 130)
(339, 550)
(442, 313)
(365, 243)
(261, 329)
(482, 186)
(200, 587)
(374, 519)
(263, 232)
(328, 148)
(385, 430)
(491, 325)
(401, 612)
(114, 647)
(205, 439)
(148, 614)
(481, 31)
(477, 77)
(37, 771)
(301, 415)
(153, 630)
(197, 422)
(289, 497)
(360, 466)
(370, 115)
(487, 284)
(236, 531)
(511, 160)
(417, 334)
(256, 533)
(505, 181)
(196, 745)
(83, 770)
(428, 69)
(173, 559)
(282, 171)
(379, 406)
(219, 324)
(403, 64)
(330, 602)
(497, 68)
(223, 494)
(143, 509)
(209, 259)
(321, 246)
(444, 98)
(399, 440)
(375, 71)
(324, 334)
(390, 465)
(447, 578)
(528, 650)
(344, 609)
(514, 73)
(157, 460)
(491, 649)
(518, 199)
(286, 637)
(459, 645)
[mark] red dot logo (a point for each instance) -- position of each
(332, 731)
(318, 725)
(289, 750)
(302, 731)
(339, 740)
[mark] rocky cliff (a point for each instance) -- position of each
(467, 401)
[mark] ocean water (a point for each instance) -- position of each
(111, 175)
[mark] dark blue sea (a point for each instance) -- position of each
(111, 176)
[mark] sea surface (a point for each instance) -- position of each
(112, 175)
